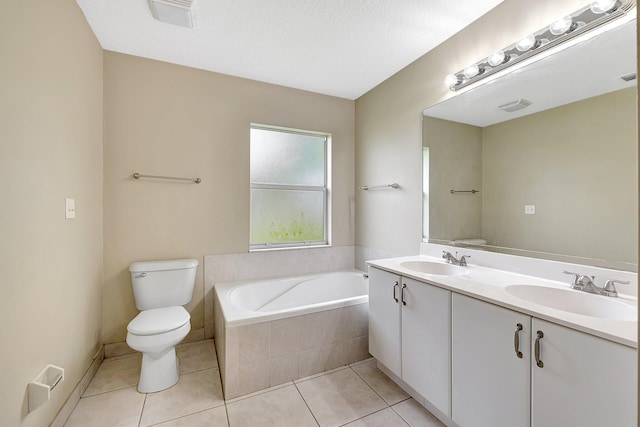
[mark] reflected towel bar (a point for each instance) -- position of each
(138, 176)
(371, 187)
(465, 191)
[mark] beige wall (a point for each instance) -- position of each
(455, 152)
(388, 121)
(50, 149)
(164, 119)
(577, 165)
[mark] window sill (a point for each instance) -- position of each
(289, 248)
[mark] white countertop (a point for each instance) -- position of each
(488, 284)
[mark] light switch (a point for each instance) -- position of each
(529, 209)
(70, 208)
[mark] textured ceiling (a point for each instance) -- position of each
(336, 47)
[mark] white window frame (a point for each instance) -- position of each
(325, 192)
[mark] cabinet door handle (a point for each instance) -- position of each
(516, 341)
(537, 349)
(404, 285)
(395, 286)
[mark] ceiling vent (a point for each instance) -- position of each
(515, 105)
(629, 77)
(176, 12)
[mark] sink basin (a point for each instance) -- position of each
(576, 302)
(437, 268)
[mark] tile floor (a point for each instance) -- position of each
(355, 395)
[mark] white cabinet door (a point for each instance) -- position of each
(426, 341)
(384, 318)
(490, 383)
(584, 380)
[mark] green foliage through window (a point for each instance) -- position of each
(288, 187)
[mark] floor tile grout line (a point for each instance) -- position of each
(400, 415)
(188, 415)
(257, 393)
(373, 389)
(320, 374)
(226, 411)
(141, 411)
(109, 391)
(365, 416)
(307, 404)
(387, 406)
(133, 385)
(200, 370)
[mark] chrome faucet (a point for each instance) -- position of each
(586, 284)
(462, 262)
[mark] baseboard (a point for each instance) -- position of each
(78, 391)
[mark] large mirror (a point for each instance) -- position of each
(557, 179)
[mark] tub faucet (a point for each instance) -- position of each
(462, 262)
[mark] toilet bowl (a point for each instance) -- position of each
(155, 333)
(160, 289)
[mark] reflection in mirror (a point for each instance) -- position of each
(558, 181)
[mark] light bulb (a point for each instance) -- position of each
(527, 43)
(451, 80)
(561, 25)
(602, 6)
(497, 58)
(471, 71)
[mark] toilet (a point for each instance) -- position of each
(160, 289)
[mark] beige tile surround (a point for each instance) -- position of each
(259, 356)
(267, 354)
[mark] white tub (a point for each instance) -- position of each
(269, 332)
(267, 300)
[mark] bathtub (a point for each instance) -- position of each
(269, 332)
(262, 301)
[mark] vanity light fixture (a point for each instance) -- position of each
(497, 58)
(527, 43)
(472, 71)
(562, 25)
(560, 31)
(603, 6)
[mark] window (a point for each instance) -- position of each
(289, 195)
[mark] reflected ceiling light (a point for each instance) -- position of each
(527, 43)
(603, 6)
(562, 25)
(591, 17)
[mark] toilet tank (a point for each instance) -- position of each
(159, 284)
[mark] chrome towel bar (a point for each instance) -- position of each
(138, 176)
(465, 191)
(371, 187)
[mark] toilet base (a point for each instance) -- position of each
(158, 371)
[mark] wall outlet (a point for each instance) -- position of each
(69, 208)
(529, 209)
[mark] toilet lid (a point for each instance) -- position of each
(158, 320)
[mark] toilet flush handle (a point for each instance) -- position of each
(141, 275)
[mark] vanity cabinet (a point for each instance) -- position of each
(490, 377)
(410, 332)
(582, 380)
